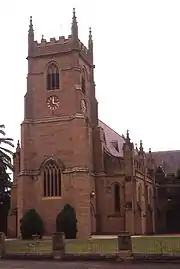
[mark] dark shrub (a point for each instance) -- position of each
(31, 224)
(66, 222)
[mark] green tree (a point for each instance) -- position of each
(66, 222)
(5, 163)
(5, 153)
(5, 180)
(31, 224)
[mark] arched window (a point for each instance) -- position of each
(117, 197)
(52, 179)
(139, 194)
(83, 81)
(52, 77)
(150, 196)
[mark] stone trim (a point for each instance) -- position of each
(78, 87)
(74, 68)
(35, 173)
(56, 119)
(36, 74)
(75, 169)
(28, 172)
(44, 198)
(102, 174)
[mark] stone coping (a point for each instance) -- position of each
(136, 258)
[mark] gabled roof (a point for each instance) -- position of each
(168, 160)
(160, 170)
(112, 139)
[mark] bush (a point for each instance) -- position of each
(31, 224)
(66, 222)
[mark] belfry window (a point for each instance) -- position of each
(52, 179)
(117, 197)
(52, 78)
(83, 82)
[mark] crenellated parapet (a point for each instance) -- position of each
(52, 46)
(60, 45)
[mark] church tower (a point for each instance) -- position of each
(60, 112)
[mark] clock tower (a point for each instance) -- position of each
(56, 152)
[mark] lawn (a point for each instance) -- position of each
(145, 244)
(156, 244)
(75, 246)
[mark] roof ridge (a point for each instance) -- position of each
(111, 128)
(163, 151)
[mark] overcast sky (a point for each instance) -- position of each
(136, 53)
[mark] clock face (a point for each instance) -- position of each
(83, 106)
(53, 102)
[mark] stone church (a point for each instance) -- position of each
(67, 155)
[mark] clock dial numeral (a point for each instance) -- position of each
(53, 102)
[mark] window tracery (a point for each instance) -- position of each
(83, 81)
(52, 179)
(52, 77)
(117, 197)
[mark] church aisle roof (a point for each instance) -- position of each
(168, 160)
(113, 141)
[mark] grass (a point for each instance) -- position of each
(72, 246)
(93, 245)
(156, 244)
(24, 246)
(145, 244)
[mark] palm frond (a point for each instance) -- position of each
(2, 132)
(6, 150)
(7, 164)
(7, 141)
(4, 156)
(7, 184)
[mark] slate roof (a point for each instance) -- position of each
(114, 141)
(169, 160)
(113, 145)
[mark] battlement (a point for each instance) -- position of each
(60, 45)
(52, 41)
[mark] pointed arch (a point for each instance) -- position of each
(51, 178)
(117, 197)
(52, 77)
(150, 195)
(57, 161)
(139, 193)
(84, 78)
